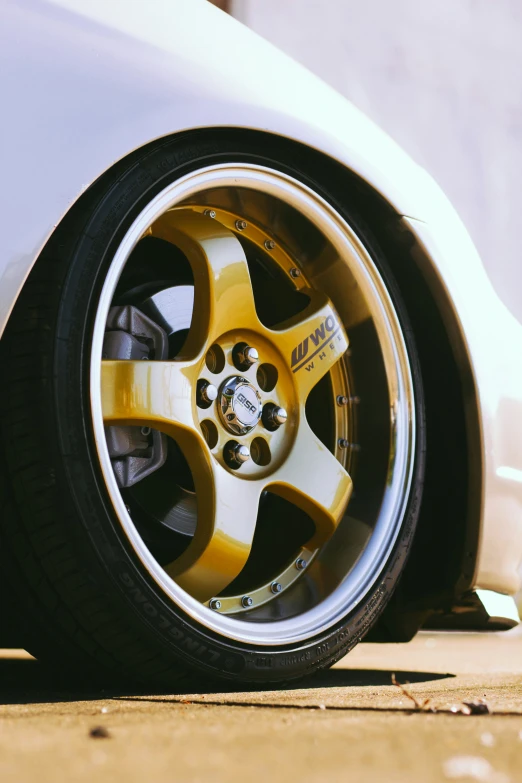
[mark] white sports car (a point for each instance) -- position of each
(259, 399)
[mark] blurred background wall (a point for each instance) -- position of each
(444, 79)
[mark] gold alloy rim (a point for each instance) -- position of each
(163, 395)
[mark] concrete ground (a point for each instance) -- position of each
(349, 724)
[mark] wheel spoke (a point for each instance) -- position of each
(315, 481)
(223, 295)
(227, 514)
(312, 342)
(157, 394)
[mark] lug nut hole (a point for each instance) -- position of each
(260, 452)
(267, 377)
(215, 359)
(210, 432)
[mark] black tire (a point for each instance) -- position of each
(84, 600)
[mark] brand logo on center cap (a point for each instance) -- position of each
(246, 405)
(239, 405)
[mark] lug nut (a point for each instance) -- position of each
(279, 415)
(246, 601)
(244, 356)
(251, 355)
(215, 604)
(300, 563)
(269, 244)
(295, 272)
(273, 416)
(237, 454)
(207, 393)
(210, 213)
(276, 587)
(241, 225)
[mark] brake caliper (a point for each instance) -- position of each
(135, 452)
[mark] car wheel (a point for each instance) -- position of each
(213, 420)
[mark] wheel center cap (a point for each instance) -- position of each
(239, 405)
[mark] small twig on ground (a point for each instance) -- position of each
(472, 707)
(424, 706)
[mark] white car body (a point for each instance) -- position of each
(86, 83)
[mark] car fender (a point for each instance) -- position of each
(84, 85)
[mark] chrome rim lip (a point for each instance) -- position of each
(367, 570)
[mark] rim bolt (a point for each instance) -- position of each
(241, 225)
(211, 213)
(207, 393)
(237, 454)
(244, 356)
(276, 587)
(342, 400)
(300, 564)
(295, 272)
(273, 416)
(345, 444)
(269, 244)
(246, 601)
(215, 604)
